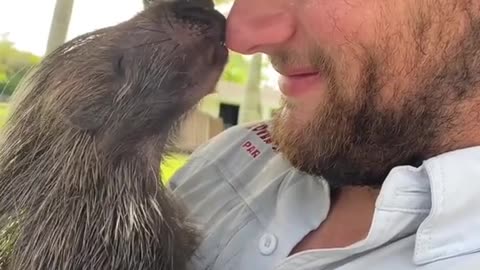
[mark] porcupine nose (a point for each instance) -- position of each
(202, 13)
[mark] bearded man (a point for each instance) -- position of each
(373, 161)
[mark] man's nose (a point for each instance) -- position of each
(258, 25)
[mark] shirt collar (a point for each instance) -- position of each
(448, 188)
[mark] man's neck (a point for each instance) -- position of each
(348, 221)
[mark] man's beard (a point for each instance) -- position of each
(356, 142)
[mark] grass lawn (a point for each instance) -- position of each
(3, 113)
(169, 166)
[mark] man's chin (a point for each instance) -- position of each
(294, 116)
(289, 131)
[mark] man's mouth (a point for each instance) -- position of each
(297, 82)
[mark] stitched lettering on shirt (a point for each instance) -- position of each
(251, 149)
(263, 133)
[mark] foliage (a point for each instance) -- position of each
(171, 164)
(222, 2)
(236, 69)
(14, 64)
(3, 113)
(8, 235)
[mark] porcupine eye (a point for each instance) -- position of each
(118, 66)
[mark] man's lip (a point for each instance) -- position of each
(296, 85)
(301, 74)
(290, 72)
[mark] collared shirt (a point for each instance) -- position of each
(253, 207)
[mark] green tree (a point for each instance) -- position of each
(237, 69)
(248, 73)
(14, 64)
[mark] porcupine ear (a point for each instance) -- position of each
(86, 118)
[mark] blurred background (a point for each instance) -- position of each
(30, 29)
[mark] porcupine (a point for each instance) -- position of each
(89, 127)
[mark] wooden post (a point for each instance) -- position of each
(251, 107)
(59, 25)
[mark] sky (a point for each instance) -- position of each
(28, 21)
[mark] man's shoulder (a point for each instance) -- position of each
(239, 191)
(239, 148)
(252, 138)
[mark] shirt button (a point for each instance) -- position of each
(267, 244)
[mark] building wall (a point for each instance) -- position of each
(231, 93)
(205, 122)
(198, 128)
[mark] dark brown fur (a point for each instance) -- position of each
(80, 154)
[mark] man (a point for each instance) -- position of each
(373, 161)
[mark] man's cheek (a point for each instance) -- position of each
(333, 23)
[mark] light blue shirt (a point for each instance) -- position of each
(253, 208)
